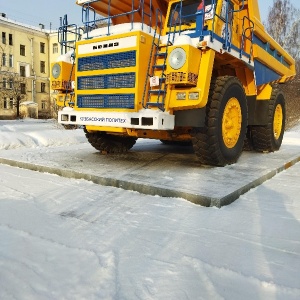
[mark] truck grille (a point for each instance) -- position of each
(107, 61)
(101, 82)
(110, 81)
(106, 101)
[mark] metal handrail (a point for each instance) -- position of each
(63, 31)
(109, 18)
(251, 28)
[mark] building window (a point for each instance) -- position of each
(3, 59)
(5, 103)
(43, 87)
(55, 48)
(10, 39)
(4, 83)
(42, 47)
(44, 105)
(11, 61)
(3, 37)
(8, 103)
(22, 50)
(22, 71)
(23, 88)
(43, 67)
(10, 83)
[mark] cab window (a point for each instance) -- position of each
(188, 12)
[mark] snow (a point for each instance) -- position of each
(24, 25)
(120, 28)
(71, 239)
(29, 103)
(31, 133)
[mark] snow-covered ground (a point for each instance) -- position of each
(33, 133)
(72, 239)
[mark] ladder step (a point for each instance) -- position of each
(159, 67)
(169, 43)
(161, 54)
(160, 78)
(156, 104)
(157, 92)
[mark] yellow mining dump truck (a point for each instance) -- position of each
(198, 71)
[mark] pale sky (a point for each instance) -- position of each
(33, 12)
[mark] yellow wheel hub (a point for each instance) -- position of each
(277, 122)
(231, 122)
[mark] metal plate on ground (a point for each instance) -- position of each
(151, 167)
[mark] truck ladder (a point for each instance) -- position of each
(156, 76)
(156, 70)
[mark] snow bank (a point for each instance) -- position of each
(37, 133)
(296, 128)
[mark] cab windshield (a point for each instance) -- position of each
(188, 11)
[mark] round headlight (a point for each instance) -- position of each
(56, 70)
(177, 58)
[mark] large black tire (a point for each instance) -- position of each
(248, 145)
(220, 141)
(177, 143)
(108, 143)
(269, 138)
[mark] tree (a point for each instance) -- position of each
(283, 24)
(12, 86)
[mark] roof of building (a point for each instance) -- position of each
(40, 28)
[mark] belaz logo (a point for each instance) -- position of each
(108, 45)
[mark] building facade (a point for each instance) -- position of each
(26, 54)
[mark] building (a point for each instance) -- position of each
(26, 54)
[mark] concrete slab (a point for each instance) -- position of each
(157, 169)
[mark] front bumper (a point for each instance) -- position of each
(144, 119)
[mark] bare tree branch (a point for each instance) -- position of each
(283, 24)
(12, 86)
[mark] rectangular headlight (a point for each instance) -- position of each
(194, 96)
(65, 118)
(180, 96)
